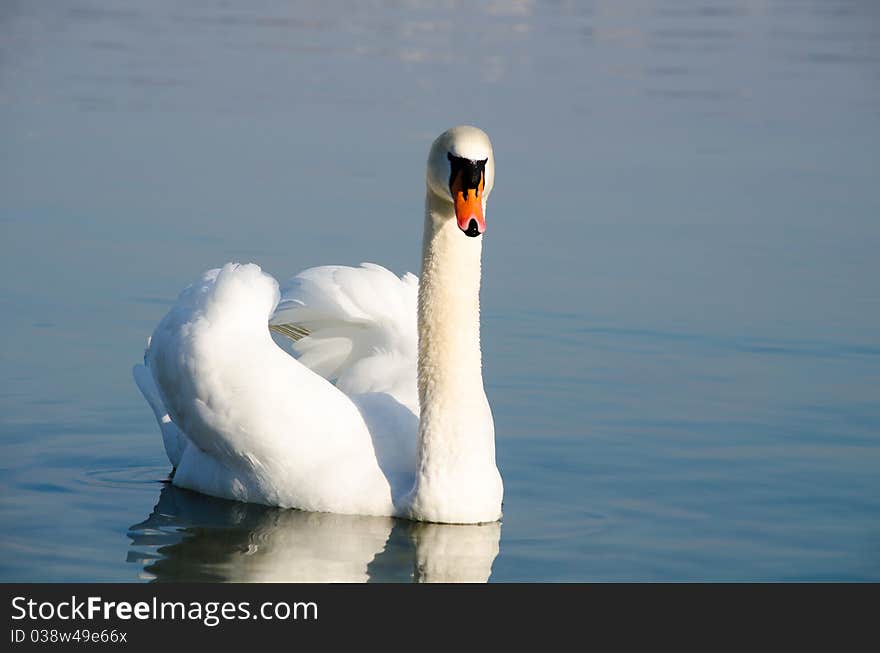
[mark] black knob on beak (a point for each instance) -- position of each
(473, 230)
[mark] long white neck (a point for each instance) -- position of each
(456, 480)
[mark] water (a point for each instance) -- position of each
(681, 316)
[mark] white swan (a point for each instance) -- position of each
(380, 410)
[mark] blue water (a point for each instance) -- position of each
(681, 317)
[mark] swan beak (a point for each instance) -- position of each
(466, 186)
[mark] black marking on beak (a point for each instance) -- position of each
(472, 172)
(473, 230)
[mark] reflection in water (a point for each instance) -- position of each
(190, 537)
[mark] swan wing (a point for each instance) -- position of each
(355, 326)
(260, 426)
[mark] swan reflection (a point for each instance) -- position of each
(191, 537)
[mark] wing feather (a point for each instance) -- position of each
(355, 326)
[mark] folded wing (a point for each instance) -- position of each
(355, 326)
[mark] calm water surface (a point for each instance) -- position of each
(681, 308)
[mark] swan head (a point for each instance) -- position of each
(461, 171)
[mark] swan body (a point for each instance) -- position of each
(375, 406)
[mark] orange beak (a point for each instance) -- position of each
(468, 205)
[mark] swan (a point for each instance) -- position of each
(348, 390)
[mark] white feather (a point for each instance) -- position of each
(362, 328)
(175, 441)
(266, 429)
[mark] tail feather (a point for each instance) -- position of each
(174, 439)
